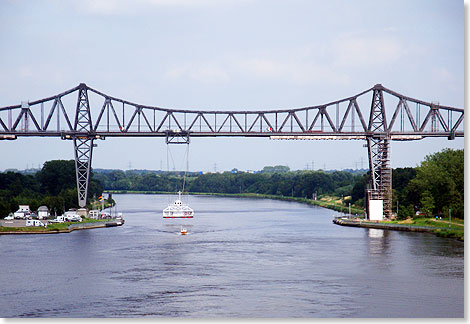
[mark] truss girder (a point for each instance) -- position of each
(5, 127)
(349, 114)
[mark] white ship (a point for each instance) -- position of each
(178, 209)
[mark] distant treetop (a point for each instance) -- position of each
(276, 169)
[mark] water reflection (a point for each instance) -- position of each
(377, 240)
(376, 233)
(444, 258)
(262, 259)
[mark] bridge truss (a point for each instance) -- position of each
(83, 115)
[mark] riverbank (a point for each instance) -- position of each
(59, 227)
(325, 202)
(428, 225)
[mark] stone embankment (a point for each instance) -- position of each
(385, 226)
(70, 228)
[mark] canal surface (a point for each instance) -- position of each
(241, 258)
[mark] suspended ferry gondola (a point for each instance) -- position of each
(178, 209)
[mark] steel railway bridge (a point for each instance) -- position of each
(377, 115)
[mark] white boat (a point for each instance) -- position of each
(178, 209)
(183, 231)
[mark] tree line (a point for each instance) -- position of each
(53, 186)
(283, 183)
(431, 189)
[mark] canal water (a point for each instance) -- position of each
(246, 258)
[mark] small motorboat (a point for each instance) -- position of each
(183, 231)
(178, 209)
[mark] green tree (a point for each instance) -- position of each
(110, 199)
(358, 190)
(405, 211)
(427, 203)
(53, 186)
(4, 209)
(57, 175)
(276, 169)
(442, 175)
(401, 177)
(55, 204)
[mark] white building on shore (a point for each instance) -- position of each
(43, 212)
(22, 212)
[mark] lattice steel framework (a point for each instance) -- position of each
(341, 119)
(83, 145)
(379, 154)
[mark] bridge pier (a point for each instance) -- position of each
(380, 176)
(83, 152)
(83, 145)
(378, 148)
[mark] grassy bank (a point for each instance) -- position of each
(442, 232)
(326, 201)
(443, 228)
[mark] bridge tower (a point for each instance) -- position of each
(83, 144)
(378, 147)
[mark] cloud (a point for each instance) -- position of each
(298, 66)
(359, 51)
(118, 7)
(203, 72)
(390, 29)
(295, 70)
(290, 70)
(25, 72)
(443, 75)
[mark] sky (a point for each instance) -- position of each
(229, 55)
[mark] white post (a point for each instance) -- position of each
(342, 205)
(450, 217)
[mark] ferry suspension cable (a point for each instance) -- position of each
(187, 166)
(178, 209)
(169, 156)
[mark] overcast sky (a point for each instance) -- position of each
(229, 55)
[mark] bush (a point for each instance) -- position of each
(405, 211)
